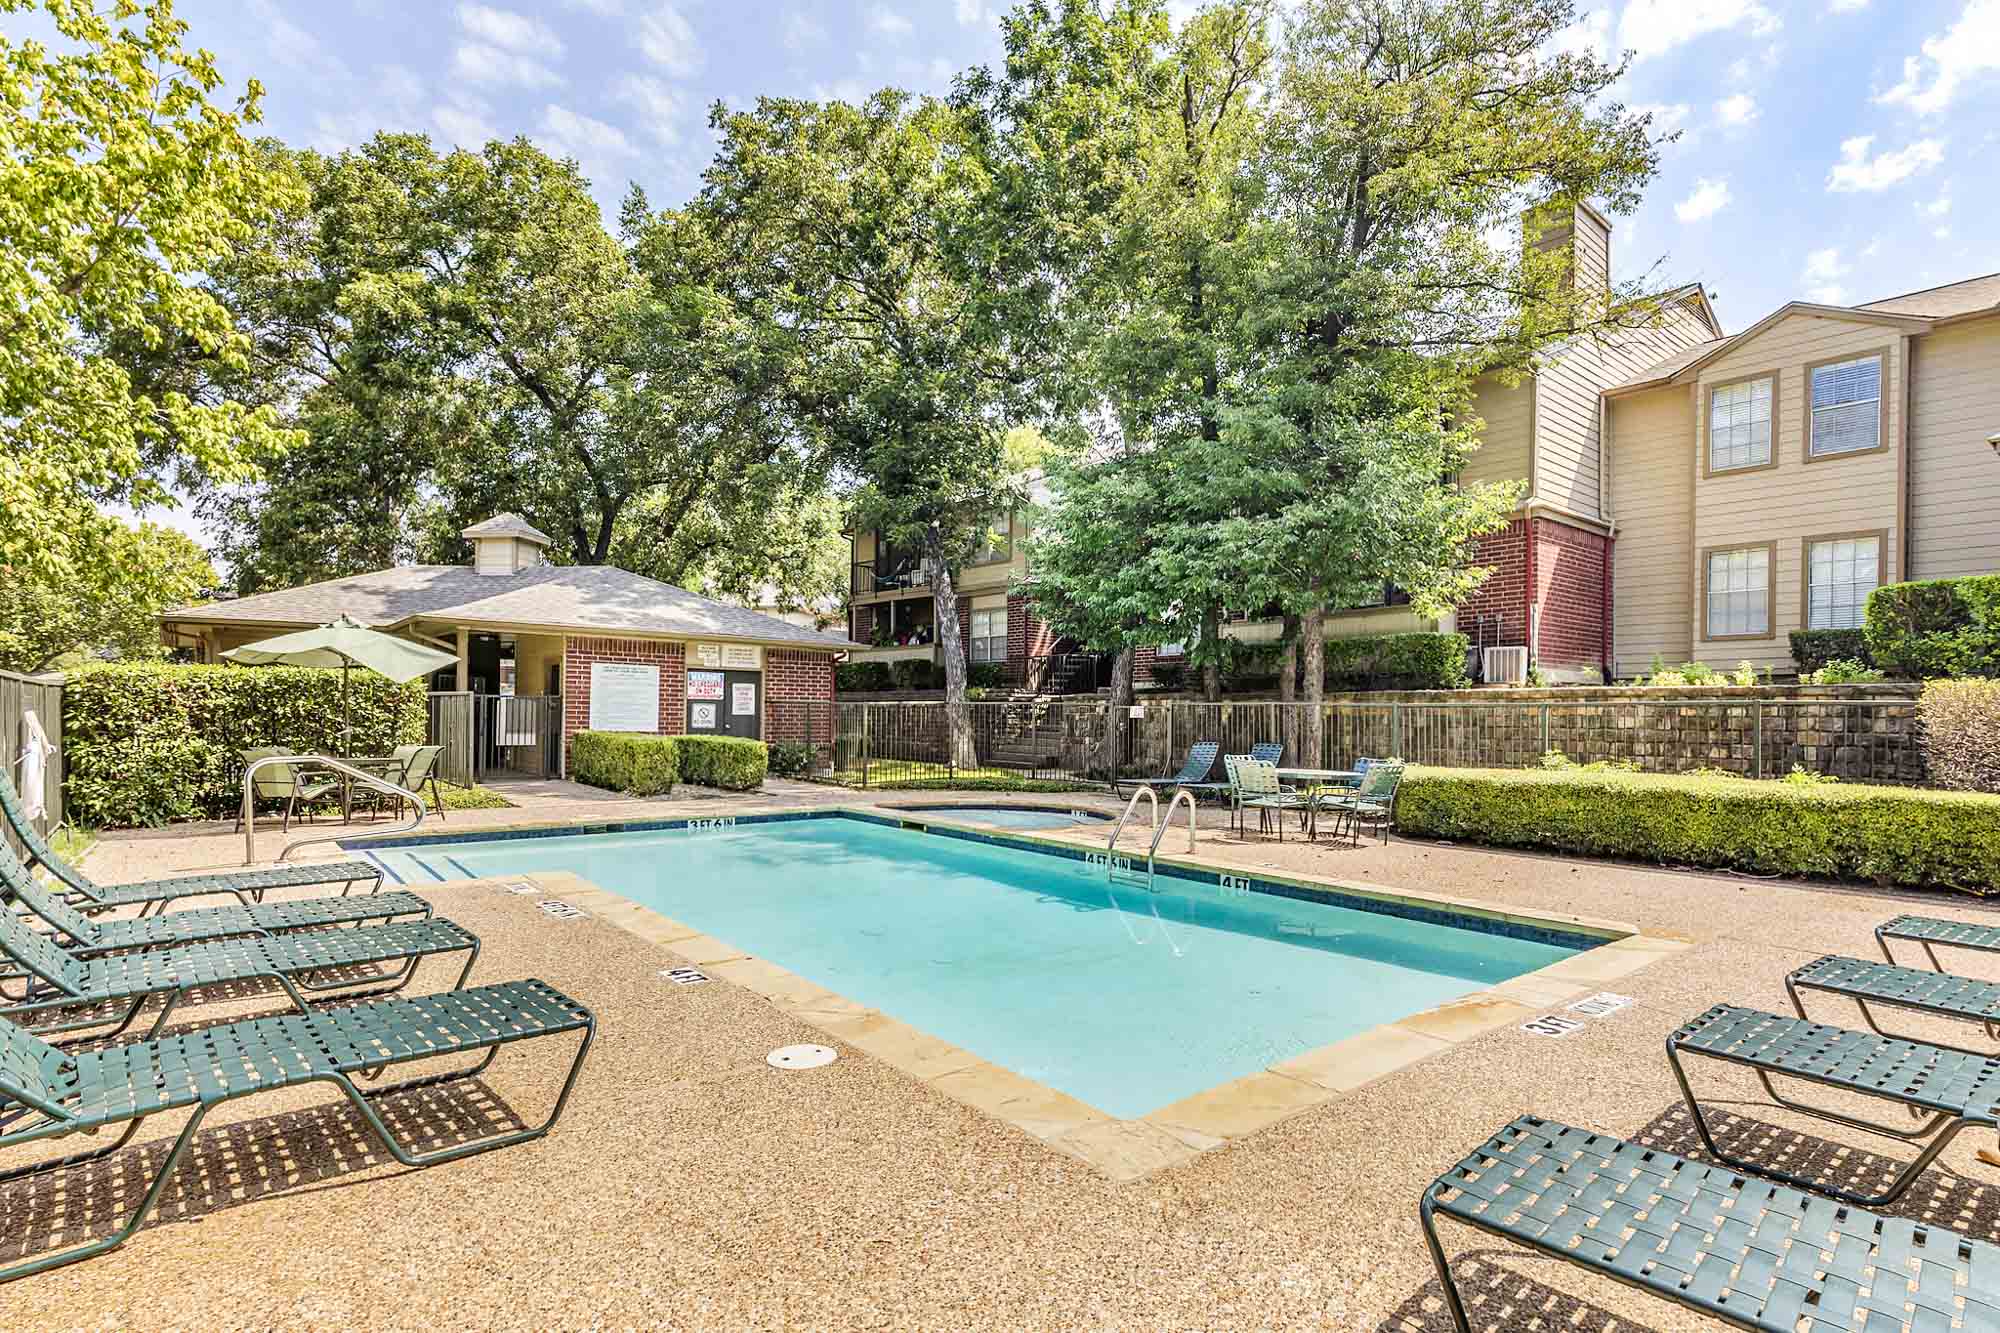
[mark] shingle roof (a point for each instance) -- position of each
(574, 597)
(507, 525)
(1955, 298)
(1660, 370)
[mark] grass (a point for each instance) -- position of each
(72, 843)
(473, 798)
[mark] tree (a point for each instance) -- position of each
(1402, 132)
(459, 335)
(867, 241)
(119, 183)
(1134, 148)
(51, 618)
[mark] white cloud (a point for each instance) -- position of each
(1942, 233)
(463, 121)
(660, 105)
(1666, 115)
(573, 134)
(972, 11)
(477, 62)
(802, 30)
(1858, 171)
(1937, 207)
(1846, 6)
(1737, 109)
(1822, 275)
(514, 32)
(601, 8)
(1708, 199)
(889, 23)
(1589, 35)
(668, 40)
(1970, 46)
(1873, 248)
(1655, 27)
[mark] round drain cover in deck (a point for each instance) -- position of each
(800, 1057)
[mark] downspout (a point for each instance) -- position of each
(1604, 470)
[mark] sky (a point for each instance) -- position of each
(1830, 150)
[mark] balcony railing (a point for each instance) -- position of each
(903, 577)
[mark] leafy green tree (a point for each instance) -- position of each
(868, 245)
(120, 182)
(459, 334)
(59, 617)
(1401, 132)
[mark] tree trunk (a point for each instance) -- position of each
(1110, 750)
(1313, 664)
(1288, 689)
(944, 602)
(1211, 644)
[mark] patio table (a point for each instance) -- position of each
(381, 765)
(1313, 779)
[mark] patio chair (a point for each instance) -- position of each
(1944, 1091)
(1258, 789)
(1741, 1250)
(410, 767)
(55, 979)
(1936, 993)
(154, 895)
(284, 782)
(85, 937)
(1268, 752)
(1193, 774)
(1931, 931)
(47, 1093)
(1373, 802)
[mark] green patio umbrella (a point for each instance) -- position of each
(346, 644)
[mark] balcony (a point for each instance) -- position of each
(903, 578)
(916, 652)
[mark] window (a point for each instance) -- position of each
(1738, 593)
(1172, 650)
(1739, 425)
(1840, 573)
(1846, 407)
(989, 635)
(996, 540)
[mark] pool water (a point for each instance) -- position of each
(988, 816)
(1126, 999)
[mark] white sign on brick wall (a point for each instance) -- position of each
(624, 697)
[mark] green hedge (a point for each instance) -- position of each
(1886, 835)
(1943, 627)
(147, 743)
(1397, 662)
(733, 763)
(625, 761)
(1814, 648)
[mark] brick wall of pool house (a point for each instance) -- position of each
(581, 652)
(795, 679)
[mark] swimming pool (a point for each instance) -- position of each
(1126, 999)
(1009, 816)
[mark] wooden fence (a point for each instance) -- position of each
(42, 696)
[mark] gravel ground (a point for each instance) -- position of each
(692, 1185)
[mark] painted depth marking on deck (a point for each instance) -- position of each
(561, 910)
(1601, 1005)
(521, 887)
(684, 976)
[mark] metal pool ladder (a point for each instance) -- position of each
(1112, 871)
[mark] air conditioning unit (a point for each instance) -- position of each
(1506, 666)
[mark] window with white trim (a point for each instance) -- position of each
(1739, 592)
(1846, 407)
(1739, 425)
(1172, 650)
(989, 635)
(1840, 573)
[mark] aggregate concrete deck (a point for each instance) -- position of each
(692, 1185)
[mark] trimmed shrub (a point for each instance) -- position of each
(733, 763)
(1943, 627)
(148, 743)
(1886, 835)
(790, 759)
(861, 677)
(624, 761)
(1958, 724)
(1815, 648)
(1397, 662)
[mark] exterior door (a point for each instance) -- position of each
(725, 703)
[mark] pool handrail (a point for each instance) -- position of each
(1179, 795)
(1111, 844)
(370, 779)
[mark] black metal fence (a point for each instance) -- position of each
(1859, 739)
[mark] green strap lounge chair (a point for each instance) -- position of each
(84, 936)
(56, 979)
(1945, 1090)
(1194, 773)
(1931, 931)
(1744, 1251)
(1866, 983)
(153, 895)
(47, 1093)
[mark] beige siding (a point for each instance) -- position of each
(1505, 441)
(1566, 454)
(1652, 441)
(1792, 500)
(1954, 475)
(1590, 250)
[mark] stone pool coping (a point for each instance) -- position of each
(1126, 1150)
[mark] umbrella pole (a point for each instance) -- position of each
(346, 715)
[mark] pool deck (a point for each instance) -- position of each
(691, 1184)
